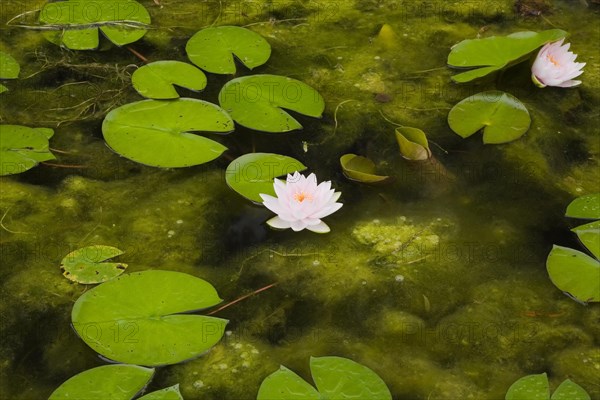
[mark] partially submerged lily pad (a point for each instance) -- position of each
(335, 378)
(413, 143)
(86, 265)
(170, 393)
(253, 174)
(143, 318)
(497, 52)
(213, 49)
(575, 273)
(75, 23)
(9, 69)
(360, 169)
(502, 117)
(156, 132)
(22, 148)
(585, 207)
(589, 235)
(257, 102)
(156, 80)
(536, 387)
(115, 382)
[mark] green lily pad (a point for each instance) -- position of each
(213, 49)
(170, 393)
(143, 318)
(86, 265)
(413, 143)
(3, 88)
(75, 23)
(115, 382)
(502, 117)
(156, 132)
(575, 273)
(497, 52)
(589, 235)
(156, 80)
(335, 377)
(360, 169)
(257, 102)
(585, 207)
(22, 148)
(569, 390)
(531, 387)
(9, 67)
(253, 174)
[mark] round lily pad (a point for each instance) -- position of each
(75, 23)
(413, 143)
(569, 390)
(502, 117)
(144, 318)
(213, 49)
(86, 265)
(530, 387)
(575, 273)
(253, 174)
(170, 393)
(9, 67)
(156, 132)
(156, 80)
(115, 382)
(22, 148)
(257, 102)
(585, 207)
(360, 169)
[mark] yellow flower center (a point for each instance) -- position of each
(552, 60)
(301, 196)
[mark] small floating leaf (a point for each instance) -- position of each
(75, 23)
(502, 117)
(22, 148)
(589, 235)
(585, 207)
(413, 143)
(143, 318)
(497, 52)
(156, 80)
(156, 132)
(335, 378)
(86, 265)
(252, 174)
(9, 67)
(213, 49)
(170, 393)
(530, 387)
(257, 102)
(115, 382)
(575, 273)
(3, 88)
(360, 169)
(569, 390)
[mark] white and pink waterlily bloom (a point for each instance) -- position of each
(301, 203)
(555, 66)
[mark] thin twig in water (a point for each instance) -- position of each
(389, 120)
(137, 54)
(4, 226)
(335, 114)
(243, 298)
(63, 165)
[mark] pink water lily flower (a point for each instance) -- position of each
(555, 66)
(301, 203)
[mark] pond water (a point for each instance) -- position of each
(437, 280)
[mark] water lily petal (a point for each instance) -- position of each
(321, 227)
(278, 223)
(298, 225)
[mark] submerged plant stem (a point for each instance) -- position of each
(243, 298)
(138, 54)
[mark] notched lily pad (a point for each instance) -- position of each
(257, 102)
(585, 207)
(156, 80)
(413, 143)
(22, 148)
(157, 132)
(144, 318)
(213, 49)
(575, 273)
(253, 174)
(502, 117)
(115, 382)
(536, 387)
(360, 169)
(86, 265)
(494, 53)
(75, 23)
